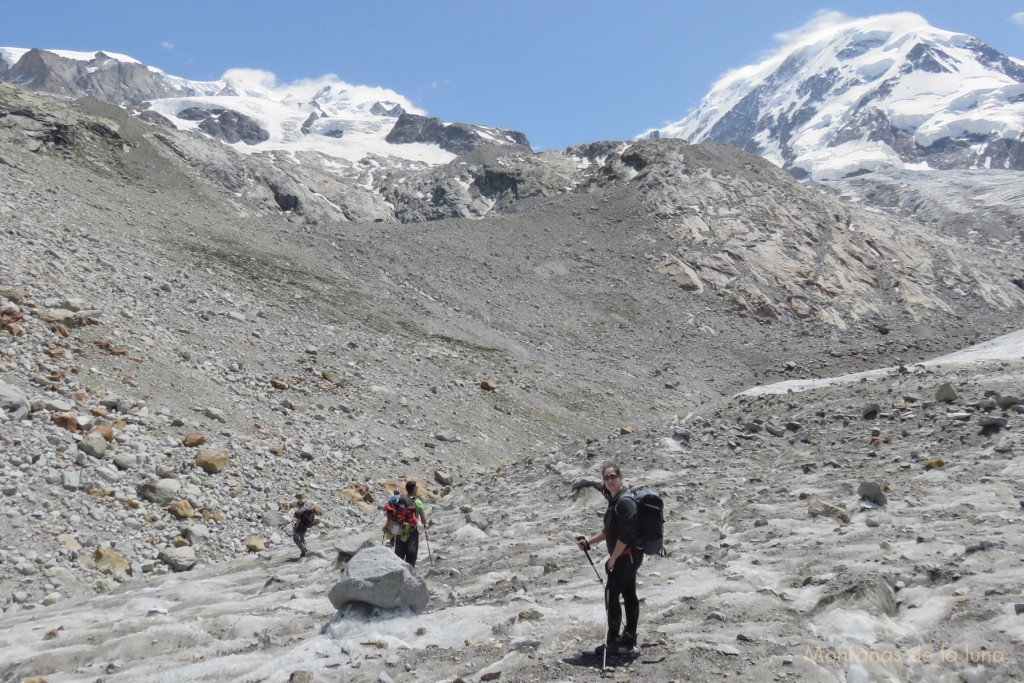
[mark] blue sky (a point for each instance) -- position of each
(561, 71)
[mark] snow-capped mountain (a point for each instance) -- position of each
(248, 109)
(887, 91)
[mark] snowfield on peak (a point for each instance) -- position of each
(888, 91)
(246, 108)
(11, 55)
(325, 115)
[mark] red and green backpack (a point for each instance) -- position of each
(400, 517)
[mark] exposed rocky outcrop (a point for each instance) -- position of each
(112, 80)
(457, 138)
(226, 125)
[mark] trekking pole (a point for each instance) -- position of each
(604, 662)
(427, 539)
(607, 627)
(587, 552)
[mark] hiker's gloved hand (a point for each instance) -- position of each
(582, 543)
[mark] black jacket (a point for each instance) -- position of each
(304, 519)
(620, 521)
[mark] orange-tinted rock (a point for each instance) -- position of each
(109, 562)
(213, 461)
(181, 510)
(106, 431)
(193, 439)
(332, 377)
(66, 421)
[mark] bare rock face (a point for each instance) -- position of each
(376, 576)
(229, 126)
(742, 227)
(457, 138)
(103, 77)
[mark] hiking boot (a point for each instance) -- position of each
(628, 640)
(615, 649)
(612, 646)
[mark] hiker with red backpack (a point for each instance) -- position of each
(403, 516)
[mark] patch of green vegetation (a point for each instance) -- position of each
(335, 304)
(619, 305)
(462, 343)
(538, 414)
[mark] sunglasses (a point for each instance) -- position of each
(609, 477)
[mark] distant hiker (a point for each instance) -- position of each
(403, 516)
(620, 536)
(305, 517)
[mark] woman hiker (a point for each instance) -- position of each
(619, 535)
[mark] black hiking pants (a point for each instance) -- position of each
(409, 548)
(300, 540)
(622, 583)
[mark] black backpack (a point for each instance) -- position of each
(650, 520)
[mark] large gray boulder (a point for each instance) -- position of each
(179, 559)
(13, 402)
(275, 518)
(349, 546)
(376, 576)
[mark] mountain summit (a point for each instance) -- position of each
(888, 91)
(248, 109)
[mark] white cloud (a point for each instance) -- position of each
(167, 45)
(257, 83)
(821, 27)
(1017, 18)
(823, 22)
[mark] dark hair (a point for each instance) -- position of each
(611, 465)
(410, 486)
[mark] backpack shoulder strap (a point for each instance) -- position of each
(624, 496)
